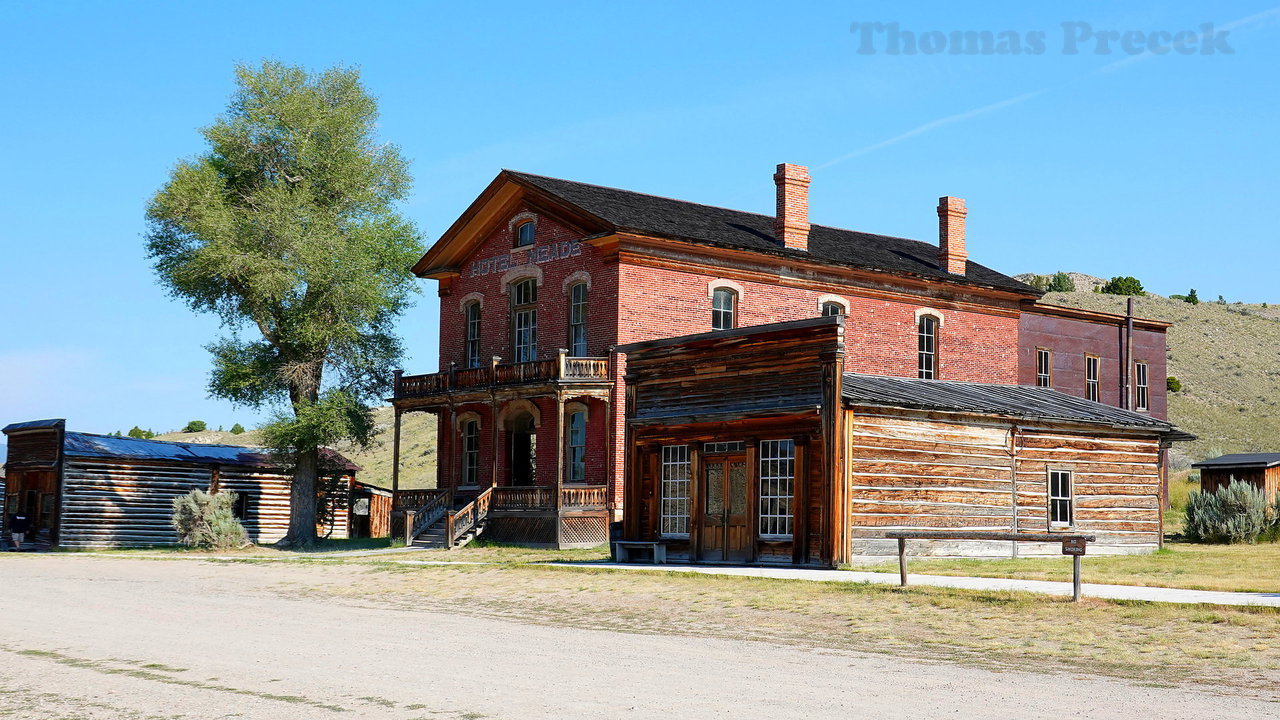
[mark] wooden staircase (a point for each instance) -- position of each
(449, 522)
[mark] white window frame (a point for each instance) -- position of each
(675, 501)
(777, 489)
(578, 319)
(1093, 384)
(1044, 367)
(1057, 498)
(576, 438)
(927, 352)
(1141, 386)
(718, 314)
(524, 321)
(470, 452)
(533, 233)
(471, 344)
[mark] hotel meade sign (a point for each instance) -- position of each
(532, 256)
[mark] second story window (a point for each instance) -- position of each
(724, 309)
(578, 447)
(525, 232)
(524, 320)
(1091, 371)
(1141, 388)
(1044, 367)
(472, 344)
(928, 347)
(832, 308)
(578, 320)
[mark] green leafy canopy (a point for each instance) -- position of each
(287, 227)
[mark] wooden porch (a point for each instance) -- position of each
(571, 516)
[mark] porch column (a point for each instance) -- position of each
(395, 458)
(495, 450)
(559, 456)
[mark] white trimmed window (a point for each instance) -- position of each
(578, 447)
(1061, 512)
(676, 469)
(524, 320)
(831, 308)
(927, 333)
(1044, 368)
(472, 344)
(724, 309)
(1142, 390)
(525, 232)
(1092, 370)
(578, 320)
(471, 452)
(777, 487)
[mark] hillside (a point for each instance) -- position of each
(1226, 357)
(417, 448)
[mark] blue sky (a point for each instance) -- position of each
(1161, 166)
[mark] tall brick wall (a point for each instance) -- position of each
(881, 335)
(1069, 340)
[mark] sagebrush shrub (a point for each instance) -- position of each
(204, 520)
(1236, 513)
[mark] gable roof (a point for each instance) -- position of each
(627, 211)
(1021, 401)
(76, 444)
(1241, 460)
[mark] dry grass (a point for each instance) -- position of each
(1234, 647)
(1237, 568)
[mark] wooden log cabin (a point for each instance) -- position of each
(757, 445)
(82, 490)
(1262, 470)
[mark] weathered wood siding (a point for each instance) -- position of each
(107, 504)
(115, 504)
(915, 470)
(1265, 479)
(1116, 484)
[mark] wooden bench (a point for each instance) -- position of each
(1073, 544)
(622, 550)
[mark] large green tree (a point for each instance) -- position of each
(287, 229)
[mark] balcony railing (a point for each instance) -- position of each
(561, 368)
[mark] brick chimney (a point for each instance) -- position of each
(791, 224)
(951, 252)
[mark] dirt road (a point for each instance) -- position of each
(85, 637)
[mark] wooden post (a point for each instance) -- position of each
(395, 456)
(902, 562)
(1075, 578)
(409, 517)
(559, 456)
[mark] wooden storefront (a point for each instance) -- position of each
(84, 490)
(756, 445)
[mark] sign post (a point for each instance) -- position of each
(1075, 548)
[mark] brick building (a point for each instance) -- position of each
(541, 279)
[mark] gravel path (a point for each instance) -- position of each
(103, 638)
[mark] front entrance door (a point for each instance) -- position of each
(726, 536)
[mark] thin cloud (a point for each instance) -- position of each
(986, 109)
(934, 125)
(1233, 25)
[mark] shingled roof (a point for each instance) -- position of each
(1020, 401)
(629, 211)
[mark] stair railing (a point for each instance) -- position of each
(461, 521)
(429, 514)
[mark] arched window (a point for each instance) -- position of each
(472, 344)
(578, 320)
(928, 335)
(830, 308)
(524, 320)
(471, 452)
(578, 447)
(524, 233)
(724, 309)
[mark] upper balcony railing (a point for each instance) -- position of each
(561, 368)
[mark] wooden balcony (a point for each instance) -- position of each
(560, 369)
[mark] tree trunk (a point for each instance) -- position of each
(302, 519)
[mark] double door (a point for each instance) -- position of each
(726, 533)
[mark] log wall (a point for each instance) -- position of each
(915, 470)
(1265, 479)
